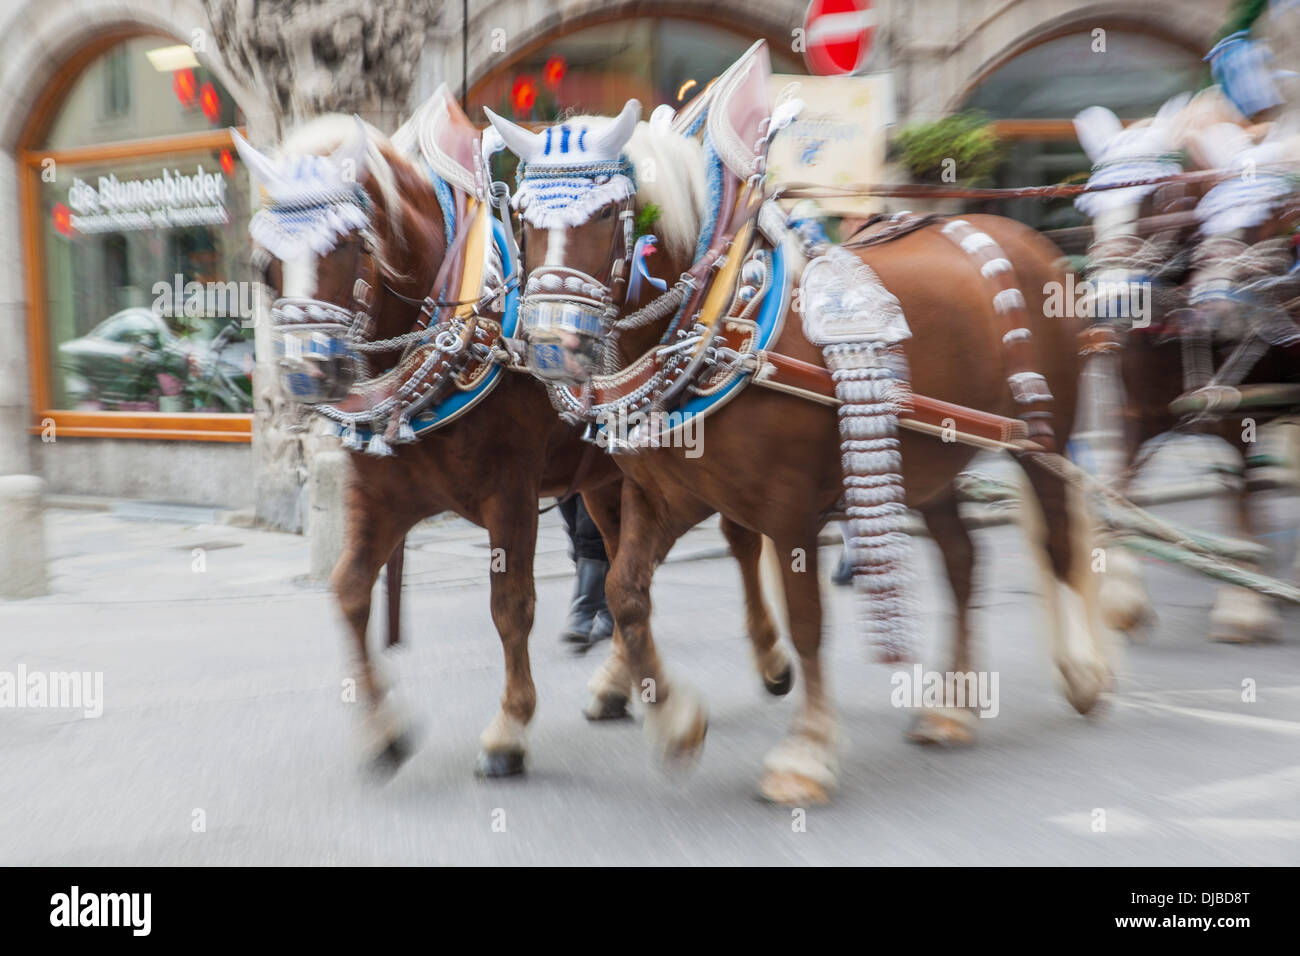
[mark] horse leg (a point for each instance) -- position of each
(1059, 530)
(511, 521)
(1126, 604)
(370, 538)
(676, 721)
(773, 663)
(951, 724)
(801, 770)
(1240, 615)
(611, 686)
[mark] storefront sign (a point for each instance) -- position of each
(170, 201)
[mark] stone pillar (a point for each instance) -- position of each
(301, 58)
(22, 545)
(329, 475)
(15, 410)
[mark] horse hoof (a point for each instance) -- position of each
(1084, 683)
(682, 753)
(500, 763)
(389, 758)
(677, 727)
(780, 685)
(792, 789)
(944, 728)
(607, 707)
(1241, 616)
(799, 771)
(1125, 602)
(1233, 636)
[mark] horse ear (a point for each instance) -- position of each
(523, 143)
(1095, 127)
(263, 169)
(350, 157)
(453, 105)
(611, 140)
(661, 120)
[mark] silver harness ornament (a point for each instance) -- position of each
(860, 327)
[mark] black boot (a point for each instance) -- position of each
(603, 627)
(588, 600)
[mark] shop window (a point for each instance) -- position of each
(135, 208)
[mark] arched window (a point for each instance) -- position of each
(134, 210)
(1034, 93)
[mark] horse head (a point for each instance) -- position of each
(582, 184)
(346, 227)
(575, 201)
(1124, 266)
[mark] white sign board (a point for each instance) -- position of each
(838, 139)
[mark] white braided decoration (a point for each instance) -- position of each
(871, 382)
(860, 328)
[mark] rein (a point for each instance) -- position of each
(803, 190)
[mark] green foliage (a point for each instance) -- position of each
(965, 138)
(646, 218)
(1243, 15)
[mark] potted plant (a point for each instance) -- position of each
(960, 149)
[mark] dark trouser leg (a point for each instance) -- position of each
(589, 620)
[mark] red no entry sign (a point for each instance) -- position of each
(837, 35)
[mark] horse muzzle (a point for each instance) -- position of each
(562, 336)
(314, 355)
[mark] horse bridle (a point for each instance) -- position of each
(569, 285)
(359, 320)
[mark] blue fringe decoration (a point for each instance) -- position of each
(713, 165)
(446, 201)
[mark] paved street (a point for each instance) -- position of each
(222, 695)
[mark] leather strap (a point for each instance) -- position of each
(812, 382)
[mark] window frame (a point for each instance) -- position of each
(173, 426)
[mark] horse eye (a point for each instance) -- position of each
(607, 212)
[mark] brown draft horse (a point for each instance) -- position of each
(1152, 358)
(771, 462)
(489, 466)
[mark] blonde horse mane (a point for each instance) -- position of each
(669, 174)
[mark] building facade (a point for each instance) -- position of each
(127, 366)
